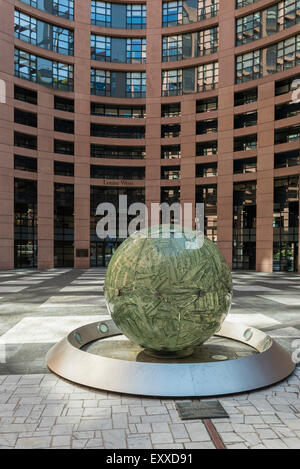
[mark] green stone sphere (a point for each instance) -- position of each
(168, 294)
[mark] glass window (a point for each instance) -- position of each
(64, 147)
(117, 152)
(287, 159)
(23, 94)
(208, 77)
(61, 168)
(63, 125)
(170, 172)
(170, 110)
(25, 140)
(285, 86)
(133, 112)
(118, 13)
(100, 48)
(246, 142)
(62, 8)
(63, 104)
(172, 82)
(25, 223)
(117, 172)
(136, 16)
(63, 225)
(287, 134)
(206, 126)
(245, 119)
(188, 11)
(100, 82)
(42, 34)
(135, 84)
(206, 170)
(170, 130)
(245, 97)
(185, 46)
(25, 163)
(245, 165)
(286, 110)
(170, 152)
(207, 148)
(136, 50)
(276, 58)
(114, 131)
(118, 49)
(207, 105)
(43, 71)
(101, 13)
(25, 117)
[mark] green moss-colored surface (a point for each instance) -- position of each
(167, 294)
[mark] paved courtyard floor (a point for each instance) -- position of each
(40, 410)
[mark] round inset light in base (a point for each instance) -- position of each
(271, 363)
(219, 357)
(248, 334)
(78, 337)
(103, 327)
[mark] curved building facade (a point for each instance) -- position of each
(162, 101)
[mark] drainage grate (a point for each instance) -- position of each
(192, 410)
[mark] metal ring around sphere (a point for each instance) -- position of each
(271, 364)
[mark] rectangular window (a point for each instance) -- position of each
(263, 62)
(208, 77)
(207, 105)
(172, 82)
(170, 130)
(62, 8)
(116, 152)
(206, 170)
(63, 104)
(170, 110)
(23, 94)
(114, 131)
(136, 16)
(135, 84)
(25, 223)
(246, 119)
(25, 117)
(207, 195)
(170, 152)
(101, 48)
(100, 82)
(63, 225)
(42, 34)
(287, 134)
(63, 125)
(43, 71)
(61, 168)
(286, 86)
(64, 147)
(136, 51)
(131, 112)
(286, 110)
(170, 172)
(25, 163)
(244, 166)
(287, 159)
(207, 126)
(117, 172)
(244, 226)
(207, 148)
(25, 140)
(247, 142)
(245, 97)
(101, 13)
(185, 46)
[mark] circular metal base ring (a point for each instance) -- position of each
(271, 364)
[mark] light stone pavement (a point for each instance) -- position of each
(41, 410)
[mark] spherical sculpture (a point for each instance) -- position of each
(168, 294)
